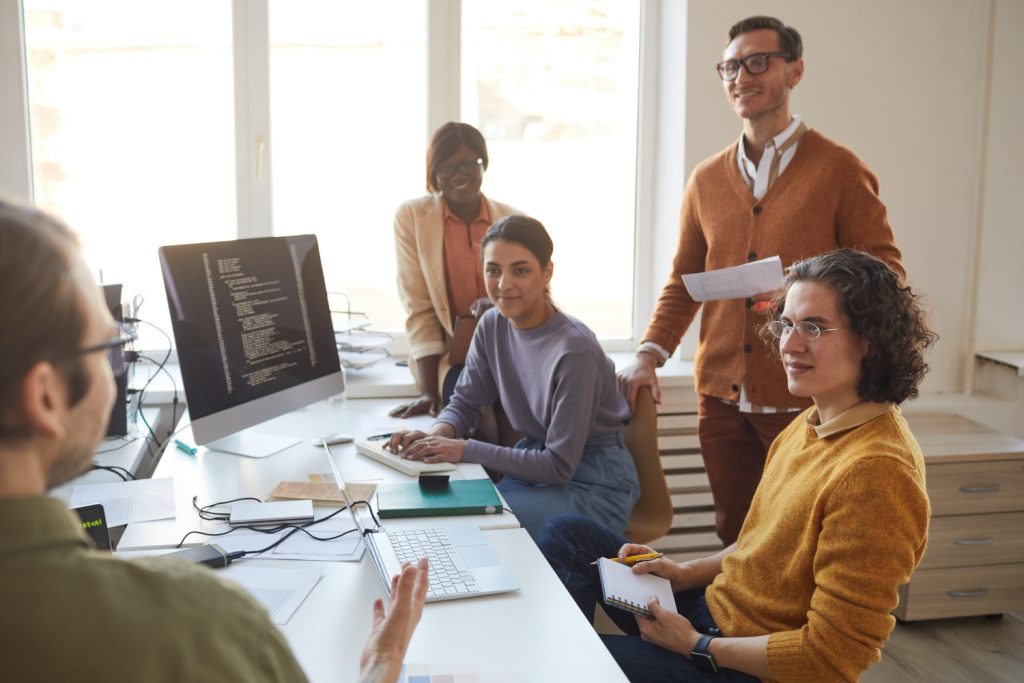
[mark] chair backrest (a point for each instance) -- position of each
(652, 515)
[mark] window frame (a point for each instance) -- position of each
(659, 176)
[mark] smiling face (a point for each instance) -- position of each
(461, 189)
(517, 283)
(764, 96)
(825, 369)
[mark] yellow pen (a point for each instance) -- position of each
(633, 559)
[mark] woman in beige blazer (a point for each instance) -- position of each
(437, 243)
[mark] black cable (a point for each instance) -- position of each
(161, 365)
(121, 472)
(206, 514)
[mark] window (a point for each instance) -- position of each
(131, 119)
(553, 88)
(137, 139)
(348, 118)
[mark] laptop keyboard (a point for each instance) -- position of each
(376, 451)
(449, 575)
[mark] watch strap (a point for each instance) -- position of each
(702, 659)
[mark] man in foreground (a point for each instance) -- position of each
(73, 613)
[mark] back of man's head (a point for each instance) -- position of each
(41, 313)
(789, 38)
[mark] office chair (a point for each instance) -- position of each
(652, 515)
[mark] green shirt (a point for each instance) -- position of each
(72, 613)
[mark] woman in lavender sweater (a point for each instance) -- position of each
(554, 382)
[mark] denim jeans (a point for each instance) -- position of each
(604, 487)
(571, 543)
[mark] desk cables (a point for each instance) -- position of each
(206, 512)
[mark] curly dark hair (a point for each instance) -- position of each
(881, 310)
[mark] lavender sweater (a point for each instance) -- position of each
(556, 385)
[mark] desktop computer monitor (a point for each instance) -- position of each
(254, 336)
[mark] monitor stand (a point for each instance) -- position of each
(253, 444)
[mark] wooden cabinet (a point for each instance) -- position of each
(974, 563)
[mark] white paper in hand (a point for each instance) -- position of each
(738, 282)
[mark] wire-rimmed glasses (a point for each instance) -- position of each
(808, 330)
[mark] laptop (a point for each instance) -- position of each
(462, 562)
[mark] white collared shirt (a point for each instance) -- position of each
(759, 173)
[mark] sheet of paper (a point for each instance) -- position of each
(738, 282)
(357, 361)
(281, 591)
(361, 343)
(124, 502)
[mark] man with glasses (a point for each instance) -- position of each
(71, 612)
(781, 189)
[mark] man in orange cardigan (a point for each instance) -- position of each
(781, 189)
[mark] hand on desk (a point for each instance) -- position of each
(426, 404)
(381, 660)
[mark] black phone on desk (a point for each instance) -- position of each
(94, 521)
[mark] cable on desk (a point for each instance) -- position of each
(207, 514)
(124, 474)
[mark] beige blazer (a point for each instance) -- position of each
(419, 249)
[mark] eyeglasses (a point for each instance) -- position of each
(808, 330)
(114, 349)
(465, 168)
(755, 64)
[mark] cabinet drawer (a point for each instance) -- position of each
(962, 591)
(967, 540)
(976, 488)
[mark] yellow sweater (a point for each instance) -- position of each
(839, 521)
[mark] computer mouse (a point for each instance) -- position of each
(332, 440)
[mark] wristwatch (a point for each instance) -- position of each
(702, 659)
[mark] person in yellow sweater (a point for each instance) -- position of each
(838, 522)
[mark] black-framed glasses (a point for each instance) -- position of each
(446, 171)
(755, 64)
(114, 349)
(808, 330)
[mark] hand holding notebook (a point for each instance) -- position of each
(633, 592)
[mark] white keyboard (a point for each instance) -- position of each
(414, 468)
(449, 574)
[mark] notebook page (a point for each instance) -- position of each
(633, 592)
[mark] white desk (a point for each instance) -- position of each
(537, 631)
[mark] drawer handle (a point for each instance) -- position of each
(967, 594)
(982, 488)
(973, 541)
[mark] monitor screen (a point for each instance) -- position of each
(253, 330)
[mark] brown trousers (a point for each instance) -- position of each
(734, 446)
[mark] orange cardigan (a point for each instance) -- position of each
(826, 199)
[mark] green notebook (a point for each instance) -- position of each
(462, 497)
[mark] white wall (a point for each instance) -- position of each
(903, 85)
(1000, 309)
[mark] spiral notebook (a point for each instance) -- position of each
(633, 592)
